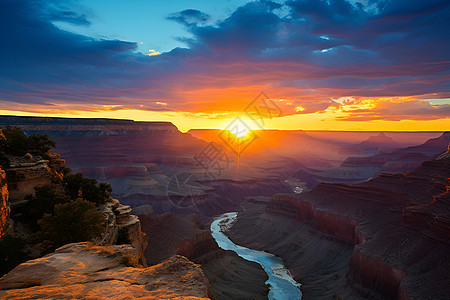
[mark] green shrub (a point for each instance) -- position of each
(77, 186)
(17, 143)
(76, 221)
(43, 202)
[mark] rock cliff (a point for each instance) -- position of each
(4, 203)
(113, 266)
(84, 271)
(24, 174)
(123, 228)
(399, 224)
(56, 127)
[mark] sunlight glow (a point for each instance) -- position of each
(240, 132)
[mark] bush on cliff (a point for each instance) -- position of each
(16, 140)
(43, 202)
(76, 221)
(17, 143)
(78, 186)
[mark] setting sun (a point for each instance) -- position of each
(242, 133)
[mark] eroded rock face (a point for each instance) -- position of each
(4, 202)
(123, 228)
(84, 271)
(24, 175)
(398, 224)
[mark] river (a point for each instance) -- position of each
(282, 285)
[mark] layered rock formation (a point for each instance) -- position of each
(395, 228)
(56, 127)
(123, 228)
(84, 271)
(24, 174)
(4, 203)
(355, 169)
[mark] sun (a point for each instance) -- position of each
(238, 128)
(241, 132)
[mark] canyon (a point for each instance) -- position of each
(113, 265)
(387, 237)
(324, 203)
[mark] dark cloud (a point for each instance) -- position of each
(189, 16)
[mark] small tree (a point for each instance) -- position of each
(43, 202)
(16, 140)
(78, 186)
(40, 144)
(17, 143)
(76, 221)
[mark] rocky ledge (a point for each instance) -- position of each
(123, 228)
(85, 271)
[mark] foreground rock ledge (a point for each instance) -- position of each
(85, 271)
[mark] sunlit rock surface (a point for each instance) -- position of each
(84, 271)
(4, 203)
(24, 174)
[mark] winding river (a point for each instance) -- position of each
(282, 285)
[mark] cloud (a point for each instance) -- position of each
(153, 52)
(389, 48)
(396, 111)
(189, 16)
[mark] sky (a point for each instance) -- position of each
(324, 64)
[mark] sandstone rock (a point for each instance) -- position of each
(124, 228)
(4, 202)
(24, 174)
(84, 271)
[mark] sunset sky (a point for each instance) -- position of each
(327, 65)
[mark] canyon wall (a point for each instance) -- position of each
(397, 223)
(56, 127)
(112, 266)
(25, 174)
(122, 227)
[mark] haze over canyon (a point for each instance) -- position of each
(239, 149)
(351, 214)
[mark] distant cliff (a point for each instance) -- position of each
(57, 127)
